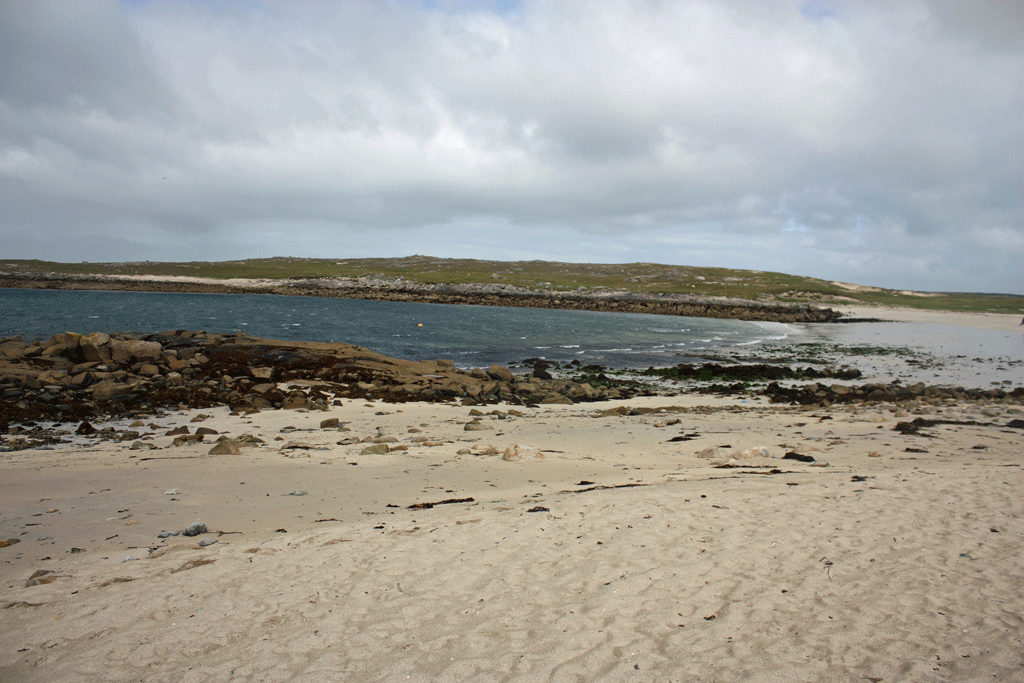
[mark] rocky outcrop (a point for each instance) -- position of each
(73, 377)
(911, 397)
(479, 294)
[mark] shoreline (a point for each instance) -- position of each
(369, 518)
(479, 294)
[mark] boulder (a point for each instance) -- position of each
(500, 373)
(226, 447)
(296, 403)
(95, 347)
(110, 391)
(127, 352)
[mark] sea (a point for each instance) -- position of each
(477, 336)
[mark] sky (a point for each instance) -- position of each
(876, 142)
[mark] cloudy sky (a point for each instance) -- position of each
(874, 142)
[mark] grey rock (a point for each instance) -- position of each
(206, 541)
(194, 529)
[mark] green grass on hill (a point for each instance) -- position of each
(648, 278)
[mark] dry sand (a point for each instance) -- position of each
(617, 555)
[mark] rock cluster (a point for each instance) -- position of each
(75, 377)
(911, 396)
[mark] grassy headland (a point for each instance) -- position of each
(641, 278)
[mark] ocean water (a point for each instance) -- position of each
(472, 336)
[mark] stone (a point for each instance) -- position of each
(206, 542)
(500, 373)
(194, 529)
(265, 374)
(476, 427)
(110, 391)
(519, 452)
(376, 449)
(330, 423)
(296, 403)
(226, 447)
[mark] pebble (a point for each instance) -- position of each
(207, 541)
(167, 534)
(194, 529)
(297, 493)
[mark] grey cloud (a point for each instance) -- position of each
(790, 131)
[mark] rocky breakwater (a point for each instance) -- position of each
(76, 377)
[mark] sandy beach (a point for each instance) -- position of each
(660, 538)
(609, 551)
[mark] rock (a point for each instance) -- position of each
(109, 391)
(519, 452)
(798, 457)
(9, 542)
(206, 542)
(330, 423)
(194, 529)
(874, 454)
(187, 439)
(144, 446)
(500, 373)
(296, 403)
(149, 370)
(39, 577)
(226, 447)
(298, 493)
(265, 374)
(168, 534)
(85, 429)
(376, 449)
(756, 452)
(476, 427)
(709, 453)
(207, 431)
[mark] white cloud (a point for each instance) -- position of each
(868, 142)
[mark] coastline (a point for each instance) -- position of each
(479, 294)
(358, 526)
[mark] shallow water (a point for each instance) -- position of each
(469, 335)
(475, 336)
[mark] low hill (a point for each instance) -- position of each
(640, 278)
